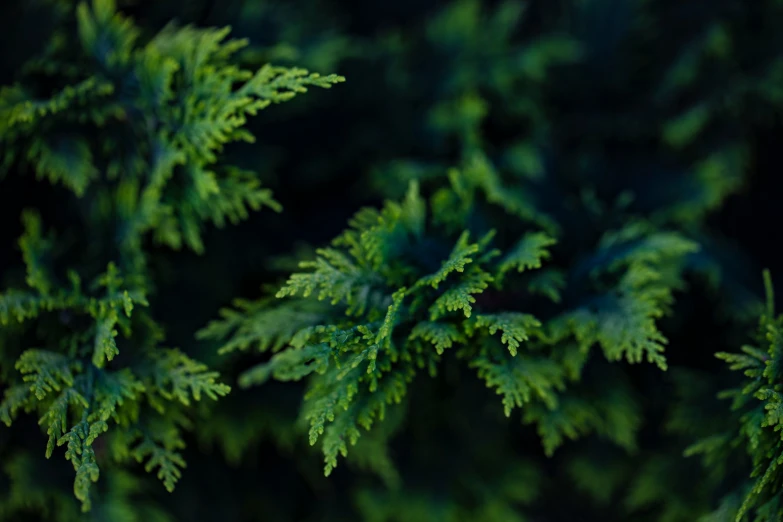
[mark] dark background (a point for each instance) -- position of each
(319, 153)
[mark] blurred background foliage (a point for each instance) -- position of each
(610, 108)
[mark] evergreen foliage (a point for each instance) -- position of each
(546, 220)
(134, 130)
(756, 429)
(399, 297)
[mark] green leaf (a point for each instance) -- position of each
(515, 327)
(441, 335)
(165, 458)
(521, 379)
(179, 378)
(47, 372)
(461, 295)
(461, 255)
(528, 254)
